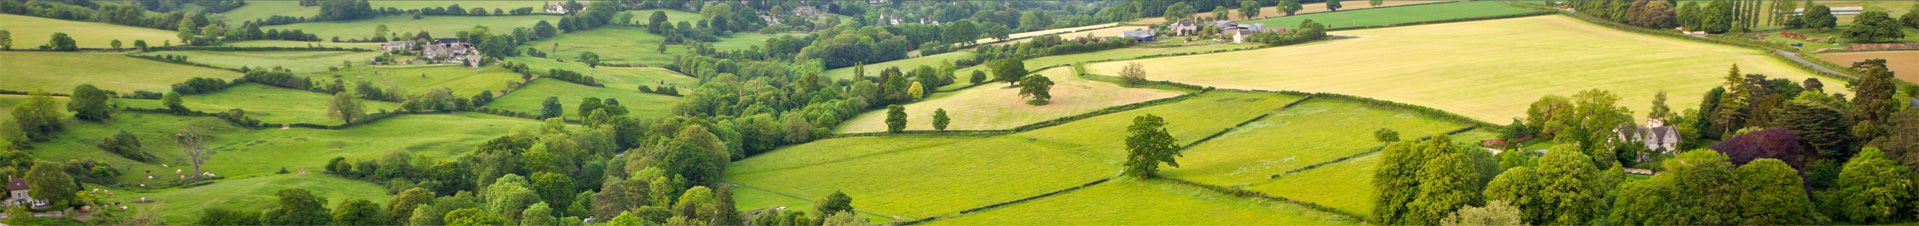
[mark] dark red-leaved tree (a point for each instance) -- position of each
(1782, 144)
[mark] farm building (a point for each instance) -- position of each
(1656, 135)
(1240, 35)
(560, 8)
(448, 52)
(17, 187)
(1138, 35)
(1184, 28)
(396, 45)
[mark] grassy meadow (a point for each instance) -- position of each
(908, 64)
(282, 43)
(1497, 67)
(261, 10)
(528, 99)
(911, 177)
(439, 26)
(997, 106)
(1111, 54)
(59, 72)
(1904, 64)
(1345, 186)
(614, 77)
(672, 16)
(1312, 132)
(31, 32)
(183, 206)
(266, 103)
(1187, 120)
(1148, 202)
(614, 44)
(417, 79)
(1397, 15)
(1273, 11)
(296, 61)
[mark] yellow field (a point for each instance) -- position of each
(1897, 61)
(996, 106)
(1045, 32)
(1491, 70)
(1271, 11)
(1102, 32)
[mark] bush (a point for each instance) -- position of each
(125, 145)
(199, 86)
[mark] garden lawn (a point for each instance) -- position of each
(911, 177)
(1904, 64)
(1148, 202)
(268, 104)
(439, 26)
(615, 77)
(1345, 186)
(296, 61)
(997, 106)
(528, 99)
(31, 32)
(418, 79)
(183, 206)
(1306, 8)
(1312, 132)
(614, 45)
(1399, 15)
(1187, 120)
(59, 72)
(905, 65)
(261, 10)
(1493, 70)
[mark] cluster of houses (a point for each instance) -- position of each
(443, 50)
(560, 8)
(1228, 30)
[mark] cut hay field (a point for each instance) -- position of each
(417, 79)
(1029, 34)
(183, 206)
(614, 44)
(439, 26)
(996, 106)
(266, 103)
(911, 177)
(528, 99)
(1904, 64)
(1346, 186)
(614, 77)
(59, 72)
(1271, 11)
(31, 32)
(261, 10)
(280, 43)
(908, 64)
(1398, 15)
(1311, 132)
(1149, 202)
(296, 61)
(1111, 54)
(1494, 68)
(243, 152)
(1102, 32)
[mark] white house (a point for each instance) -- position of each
(1240, 35)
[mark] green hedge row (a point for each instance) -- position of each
(164, 60)
(1222, 132)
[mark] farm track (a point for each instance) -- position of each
(1796, 58)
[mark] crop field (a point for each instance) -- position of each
(1312, 132)
(528, 99)
(1030, 34)
(267, 103)
(31, 32)
(911, 177)
(1397, 15)
(281, 43)
(243, 152)
(996, 106)
(59, 72)
(614, 77)
(439, 26)
(905, 65)
(417, 79)
(1496, 68)
(507, 5)
(1904, 64)
(261, 10)
(1187, 120)
(614, 44)
(1102, 32)
(1345, 186)
(1111, 54)
(297, 61)
(183, 206)
(1270, 11)
(1140, 202)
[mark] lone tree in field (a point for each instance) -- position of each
(1009, 70)
(1134, 73)
(551, 107)
(115, 44)
(978, 77)
(61, 42)
(1289, 6)
(1148, 146)
(940, 120)
(591, 59)
(895, 118)
(6, 40)
(1333, 5)
(91, 104)
(192, 141)
(1386, 135)
(345, 108)
(1037, 86)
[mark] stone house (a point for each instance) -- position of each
(1657, 136)
(17, 187)
(396, 45)
(1183, 28)
(1240, 35)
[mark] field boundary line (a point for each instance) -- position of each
(1007, 203)
(1243, 193)
(1372, 150)
(1223, 132)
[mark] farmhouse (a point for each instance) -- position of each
(396, 45)
(808, 11)
(17, 187)
(560, 8)
(1656, 135)
(448, 50)
(1240, 35)
(1184, 28)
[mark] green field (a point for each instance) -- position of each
(1187, 120)
(1346, 186)
(1494, 68)
(438, 26)
(266, 103)
(911, 177)
(1147, 202)
(997, 106)
(8, 101)
(614, 77)
(31, 32)
(672, 16)
(59, 72)
(614, 44)
(297, 61)
(749, 199)
(748, 40)
(1311, 132)
(507, 5)
(905, 65)
(528, 99)
(280, 43)
(183, 206)
(1398, 15)
(260, 10)
(418, 79)
(1112, 54)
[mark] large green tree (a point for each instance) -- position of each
(61, 42)
(1289, 6)
(403, 204)
(39, 117)
(1873, 26)
(1873, 189)
(359, 212)
(1149, 145)
(1037, 86)
(1009, 70)
(940, 120)
(1563, 189)
(1770, 193)
(1819, 17)
(297, 206)
(1248, 9)
(49, 182)
(90, 103)
(1873, 97)
(895, 118)
(1179, 11)
(346, 109)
